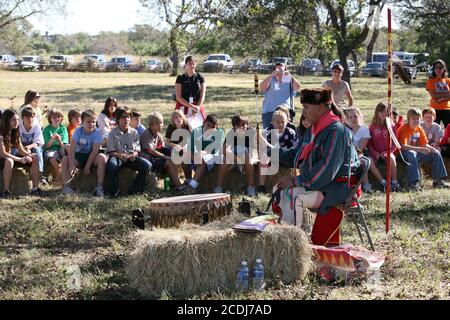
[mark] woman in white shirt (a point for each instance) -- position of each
(107, 118)
(361, 137)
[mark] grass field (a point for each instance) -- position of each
(40, 238)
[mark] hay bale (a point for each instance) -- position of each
(87, 184)
(401, 174)
(271, 181)
(20, 182)
(426, 168)
(194, 260)
(235, 181)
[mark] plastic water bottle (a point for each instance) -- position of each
(258, 276)
(242, 277)
(167, 184)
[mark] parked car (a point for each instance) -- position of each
(410, 68)
(61, 60)
(154, 65)
(286, 60)
(119, 63)
(311, 66)
(268, 67)
(218, 62)
(28, 63)
(6, 59)
(374, 69)
(96, 57)
(351, 67)
(250, 64)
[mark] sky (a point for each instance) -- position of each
(93, 16)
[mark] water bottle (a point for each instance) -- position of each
(167, 184)
(258, 276)
(242, 277)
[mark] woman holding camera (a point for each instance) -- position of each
(279, 88)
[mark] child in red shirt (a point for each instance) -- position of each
(378, 147)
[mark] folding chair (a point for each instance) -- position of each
(353, 208)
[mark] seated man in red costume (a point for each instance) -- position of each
(328, 163)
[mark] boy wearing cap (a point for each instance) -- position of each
(326, 156)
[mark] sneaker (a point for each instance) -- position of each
(67, 191)
(188, 190)
(37, 193)
(99, 192)
(44, 181)
(218, 189)
(395, 187)
(414, 187)
(261, 189)
(6, 195)
(441, 184)
(251, 191)
(383, 185)
(367, 188)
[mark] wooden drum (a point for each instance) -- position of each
(197, 209)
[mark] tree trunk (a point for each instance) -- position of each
(355, 60)
(371, 45)
(343, 54)
(174, 50)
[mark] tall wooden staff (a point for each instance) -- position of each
(388, 123)
(257, 113)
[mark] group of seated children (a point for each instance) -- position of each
(117, 139)
(421, 142)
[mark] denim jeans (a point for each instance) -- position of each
(40, 155)
(113, 166)
(267, 119)
(415, 159)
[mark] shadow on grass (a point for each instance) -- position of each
(146, 92)
(430, 216)
(116, 285)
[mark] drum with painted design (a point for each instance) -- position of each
(197, 209)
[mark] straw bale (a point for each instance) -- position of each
(87, 184)
(20, 182)
(194, 260)
(236, 181)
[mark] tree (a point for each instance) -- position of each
(430, 20)
(110, 43)
(187, 20)
(14, 37)
(12, 11)
(146, 40)
(377, 8)
(271, 27)
(346, 18)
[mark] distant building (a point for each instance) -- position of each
(50, 38)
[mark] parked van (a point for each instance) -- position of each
(7, 59)
(97, 57)
(61, 59)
